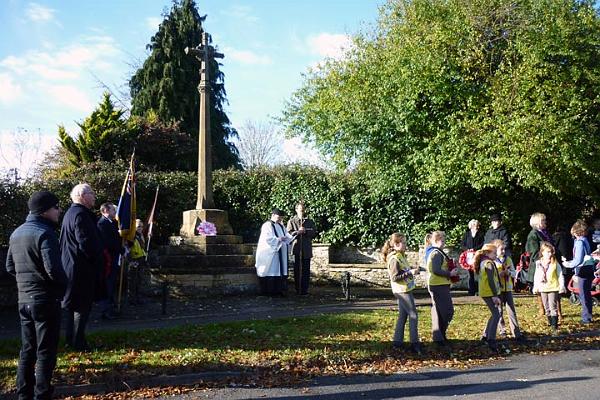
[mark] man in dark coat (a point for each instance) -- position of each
(81, 249)
(34, 260)
(499, 231)
(306, 231)
(109, 233)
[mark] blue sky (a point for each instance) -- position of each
(54, 53)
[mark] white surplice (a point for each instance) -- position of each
(267, 257)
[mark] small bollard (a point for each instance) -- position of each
(165, 295)
(347, 286)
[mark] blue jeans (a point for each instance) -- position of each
(40, 330)
(584, 284)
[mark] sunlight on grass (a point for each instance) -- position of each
(324, 344)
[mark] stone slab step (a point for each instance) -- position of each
(207, 249)
(203, 240)
(203, 261)
(217, 271)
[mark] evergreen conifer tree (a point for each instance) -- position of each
(167, 83)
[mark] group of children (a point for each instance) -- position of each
(495, 272)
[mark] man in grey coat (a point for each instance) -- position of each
(34, 260)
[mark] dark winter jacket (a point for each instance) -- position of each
(82, 259)
(303, 241)
(109, 234)
(34, 260)
(532, 246)
(469, 242)
(564, 246)
(502, 234)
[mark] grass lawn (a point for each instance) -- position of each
(288, 350)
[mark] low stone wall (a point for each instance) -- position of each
(365, 266)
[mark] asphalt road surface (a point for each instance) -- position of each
(566, 375)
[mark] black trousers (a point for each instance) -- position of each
(75, 323)
(40, 330)
(301, 275)
(473, 284)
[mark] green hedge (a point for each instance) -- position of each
(354, 208)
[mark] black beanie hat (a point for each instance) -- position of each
(39, 202)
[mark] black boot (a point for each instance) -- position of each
(549, 320)
(416, 348)
(554, 325)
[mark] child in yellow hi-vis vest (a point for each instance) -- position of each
(549, 282)
(137, 263)
(506, 273)
(489, 290)
(402, 281)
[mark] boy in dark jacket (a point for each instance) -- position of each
(34, 260)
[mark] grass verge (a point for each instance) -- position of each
(289, 350)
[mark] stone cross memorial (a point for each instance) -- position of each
(205, 207)
(194, 263)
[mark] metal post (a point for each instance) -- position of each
(165, 295)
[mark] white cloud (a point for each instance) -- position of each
(152, 23)
(242, 13)
(66, 64)
(70, 96)
(38, 13)
(247, 57)
(10, 91)
(329, 44)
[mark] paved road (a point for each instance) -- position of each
(564, 376)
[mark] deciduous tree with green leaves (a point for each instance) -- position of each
(167, 82)
(491, 98)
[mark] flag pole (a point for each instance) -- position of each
(122, 267)
(122, 259)
(151, 223)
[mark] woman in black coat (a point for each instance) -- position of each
(472, 240)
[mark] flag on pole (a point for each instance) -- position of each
(150, 223)
(126, 210)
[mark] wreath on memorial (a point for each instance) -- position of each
(206, 228)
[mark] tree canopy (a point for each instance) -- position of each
(481, 95)
(166, 84)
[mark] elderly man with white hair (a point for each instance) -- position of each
(81, 250)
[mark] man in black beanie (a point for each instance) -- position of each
(34, 260)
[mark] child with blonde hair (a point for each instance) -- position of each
(549, 282)
(438, 284)
(489, 289)
(402, 281)
(506, 274)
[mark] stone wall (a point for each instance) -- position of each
(365, 266)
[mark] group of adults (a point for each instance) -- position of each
(573, 246)
(273, 249)
(60, 275)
